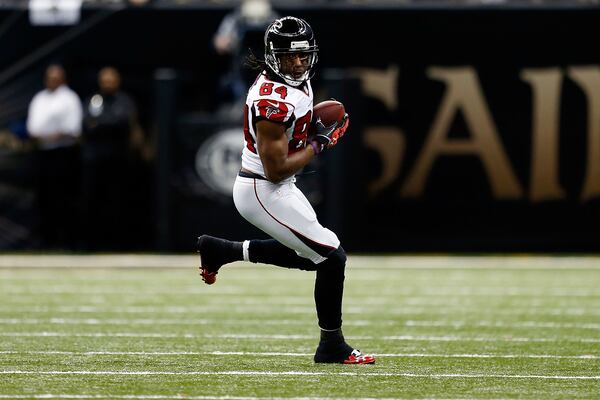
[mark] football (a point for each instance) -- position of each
(330, 112)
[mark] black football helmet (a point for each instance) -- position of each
(290, 35)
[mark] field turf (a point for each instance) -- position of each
(147, 327)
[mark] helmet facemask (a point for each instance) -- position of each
(290, 35)
(274, 62)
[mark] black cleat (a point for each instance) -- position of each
(332, 353)
(214, 253)
(344, 355)
(333, 349)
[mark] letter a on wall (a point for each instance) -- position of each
(463, 93)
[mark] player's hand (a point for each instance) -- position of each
(340, 131)
(328, 136)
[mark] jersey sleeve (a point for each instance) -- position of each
(273, 110)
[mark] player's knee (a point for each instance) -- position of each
(337, 258)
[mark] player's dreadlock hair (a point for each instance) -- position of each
(254, 63)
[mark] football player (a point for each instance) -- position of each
(280, 139)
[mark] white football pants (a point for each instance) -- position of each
(283, 212)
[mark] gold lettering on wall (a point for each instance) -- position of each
(588, 78)
(546, 87)
(464, 94)
(380, 84)
(389, 142)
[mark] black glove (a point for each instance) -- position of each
(328, 136)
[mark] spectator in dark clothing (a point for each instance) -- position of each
(110, 137)
(241, 30)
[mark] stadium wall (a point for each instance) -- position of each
(473, 129)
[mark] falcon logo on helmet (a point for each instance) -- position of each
(290, 35)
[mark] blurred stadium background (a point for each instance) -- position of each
(475, 124)
(475, 129)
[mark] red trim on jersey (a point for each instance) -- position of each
(300, 134)
(250, 144)
(321, 249)
(273, 110)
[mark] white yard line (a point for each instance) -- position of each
(301, 337)
(554, 310)
(283, 354)
(168, 309)
(193, 322)
(157, 335)
(177, 397)
(496, 324)
(170, 322)
(488, 339)
(140, 291)
(302, 373)
(133, 291)
(98, 261)
(520, 262)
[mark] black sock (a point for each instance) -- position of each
(237, 252)
(329, 290)
(335, 336)
(272, 252)
(229, 251)
(332, 347)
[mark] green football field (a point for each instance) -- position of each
(147, 327)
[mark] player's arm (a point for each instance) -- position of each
(273, 149)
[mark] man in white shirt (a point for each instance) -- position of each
(55, 113)
(54, 122)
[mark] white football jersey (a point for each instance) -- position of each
(277, 102)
